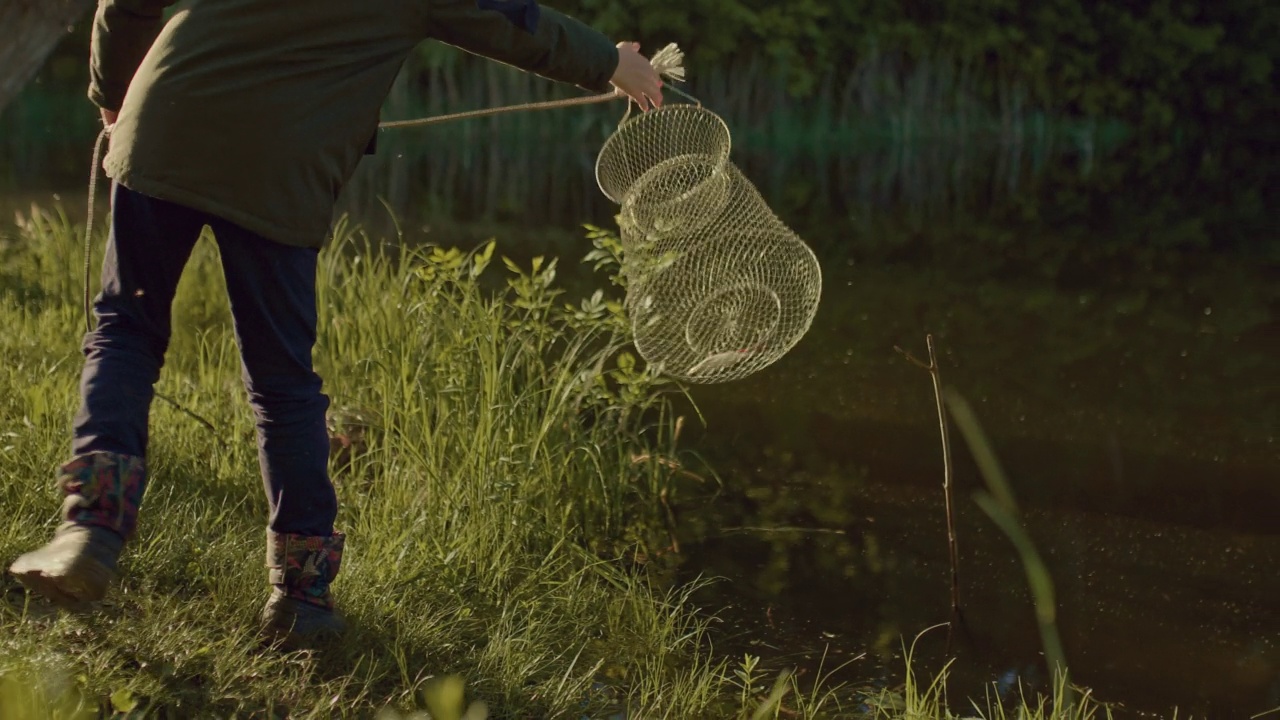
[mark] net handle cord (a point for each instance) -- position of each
(669, 62)
(544, 105)
(88, 222)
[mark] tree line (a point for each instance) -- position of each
(1156, 64)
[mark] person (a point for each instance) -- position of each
(248, 117)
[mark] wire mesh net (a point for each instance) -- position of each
(649, 140)
(717, 286)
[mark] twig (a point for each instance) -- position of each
(782, 529)
(193, 415)
(932, 367)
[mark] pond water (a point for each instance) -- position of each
(1113, 321)
(1119, 351)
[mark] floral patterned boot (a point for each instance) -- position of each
(103, 491)
(301, 567)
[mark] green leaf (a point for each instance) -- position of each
(123, 701)
(483, 258)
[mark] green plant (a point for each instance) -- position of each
(1001, 507)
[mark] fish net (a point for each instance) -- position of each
(717, 286)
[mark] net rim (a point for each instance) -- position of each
(661, 114)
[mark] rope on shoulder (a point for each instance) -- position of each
(88, 221)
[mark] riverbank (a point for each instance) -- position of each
(498, 472)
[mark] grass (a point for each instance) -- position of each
(926, 698)
(500, 465)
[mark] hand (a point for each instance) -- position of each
(636, 78)
(109, 117)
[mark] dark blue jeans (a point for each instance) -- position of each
(273, 303)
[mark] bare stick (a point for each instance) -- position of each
(193, 415)
(932, 367)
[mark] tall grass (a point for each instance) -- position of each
(491, 490)
(501, 463)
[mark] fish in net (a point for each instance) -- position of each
(717, 286)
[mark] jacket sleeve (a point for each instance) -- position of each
(123, 31)
(532, 38)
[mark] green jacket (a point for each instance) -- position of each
(259, 110)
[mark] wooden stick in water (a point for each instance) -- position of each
(932, 367)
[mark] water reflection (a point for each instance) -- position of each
(481, 172)
(1152, 614)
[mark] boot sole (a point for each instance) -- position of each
(73, 587)
(290, 625)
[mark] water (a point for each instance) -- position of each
(1113, 322)
(1121, 362)
(1130, 396)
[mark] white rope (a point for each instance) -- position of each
(669, 62)
(88, 222)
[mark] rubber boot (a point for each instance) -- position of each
(103, 492)
(300, 611)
